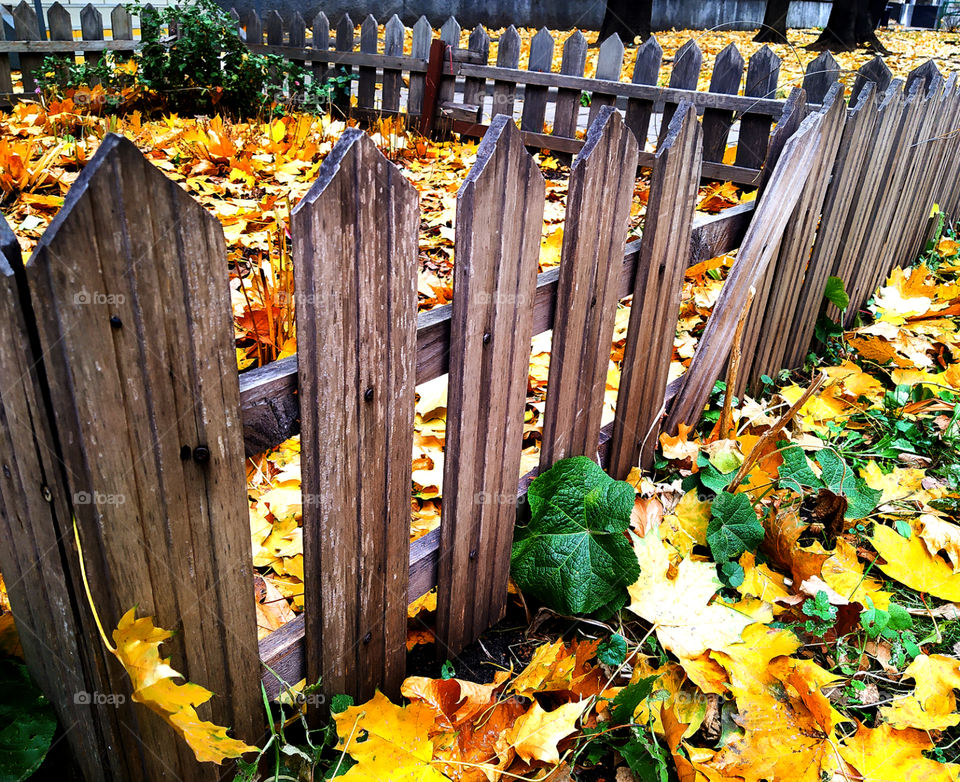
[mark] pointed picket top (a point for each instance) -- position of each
(574, 54)
(541, 51)
(393, 32)
(25, 24)
(687, 63)
(422, 35)
(927, 74)
(254, 28)
(59, 23)
(121, 23)
(369, 31)
(508, 48)
(874, 72)
(163, 370)
(91, 22)
(479, 42)
(298, 30)
(763, 72)
(600, 192)
(355, 249)
(321, 31)
(820, 75)
(499, 219)
(274, 25)
(727, 70)
(450, 32)
(610, 59)
(646, 70)
(345, 37)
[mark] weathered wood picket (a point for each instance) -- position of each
(121, 407)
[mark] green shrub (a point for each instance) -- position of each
(204, 67)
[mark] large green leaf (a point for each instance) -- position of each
(27, 723)
(573, 554)
(733, 527)
(835, 475)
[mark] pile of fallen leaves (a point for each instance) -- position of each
(830, 650)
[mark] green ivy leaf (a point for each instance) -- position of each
(835, 294)
(733, 528)
(27, 723)
(613, 651)
(573, 554)
(795, 472)
(840, 478)
(626, 701)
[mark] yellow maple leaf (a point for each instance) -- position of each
(885, 753)
(686, 526)
(138, 650)
(535, 735)
(908, 561)
(680, 608)
(932, 704)
(389, 742)
(843, 572)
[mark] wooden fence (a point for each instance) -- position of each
(121, 405)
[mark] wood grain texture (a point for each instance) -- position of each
(770, 322)
(726, 77)
(759, 246)
(609, 65)
(320, 42)
(663, 257)
(27, 28)
(873, 72)
(568, 100)
(684, 76)
(508, 56)
(598, 207)
(270, 406)
(121, 29)
(132, 299)
(535, 97)
(355, 261)
(450, 35)
(646, 70)
(344, 43)
(499, 220)
(367, 84)
(35, 524)
(763, 74)
(422, 38)
(843, 194)
(6, 78)
(821, 74)
(393, 33)
(474, 89)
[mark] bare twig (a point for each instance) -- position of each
(754, 456)
(726, 417)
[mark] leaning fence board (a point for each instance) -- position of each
(355, 261)
(761, 242)
(130, 288)
(771, 315)
(664, 255)
(646, 70)
(475, 90)
(762, 76)
(568, 100)
(726, 77)
(595, 230)
(35, 524)
(873, 72)
(842, 195)
(498, 224)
